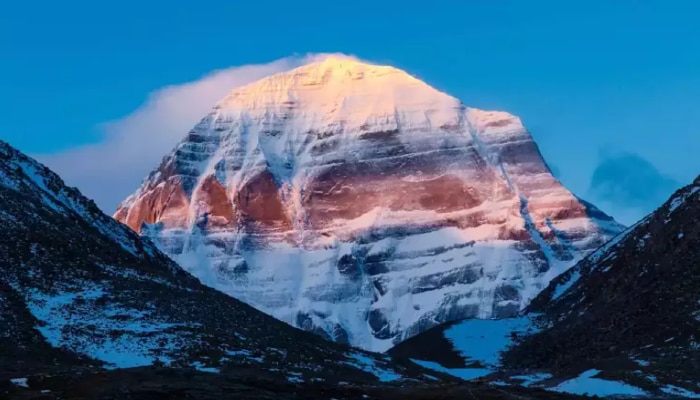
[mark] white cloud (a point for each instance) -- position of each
(132, 146)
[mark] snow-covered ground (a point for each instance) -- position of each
(484, 340)
(480, 343)
(587, 384)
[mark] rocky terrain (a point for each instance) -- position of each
(632, 309)
(78, 288)
(359, 203)
(153, 383)
(627, 314)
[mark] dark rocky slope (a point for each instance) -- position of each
(73, 278)
(150, 383)
(631, 310)
(22, 347)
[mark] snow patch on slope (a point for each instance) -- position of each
(678, 391)
(484, 340)
(587, 384)
(563, 287)
(141, 340)
(464, 373)
(480, 342)
(367, 364)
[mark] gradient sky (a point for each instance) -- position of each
(609, 89)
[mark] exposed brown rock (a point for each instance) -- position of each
(211, 198)
(166, 203)
(259, 200)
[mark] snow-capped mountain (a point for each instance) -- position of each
(358, 202)
(79, 288)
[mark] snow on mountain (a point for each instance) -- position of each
(77, 288)
(357, 202)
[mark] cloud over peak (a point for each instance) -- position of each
(130, 147)
(630, 185)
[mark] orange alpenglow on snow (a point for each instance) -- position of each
(358, 202)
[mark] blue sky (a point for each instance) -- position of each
(609, 89)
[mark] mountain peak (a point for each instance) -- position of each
(341, 89)
(350, 68)
(342, 62)
(358, 202)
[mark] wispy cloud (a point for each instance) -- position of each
(629, 186)
(110, 170)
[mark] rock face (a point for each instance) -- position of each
(79, 289)
(357, 202)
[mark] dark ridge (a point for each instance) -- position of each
(154, 383)
(636, 298)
